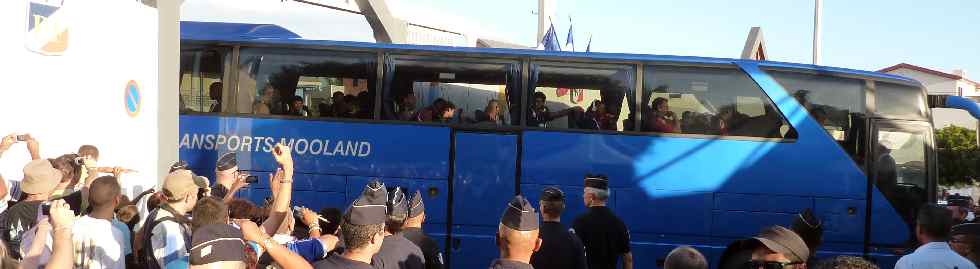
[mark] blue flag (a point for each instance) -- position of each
(550, 39)
(569, 40)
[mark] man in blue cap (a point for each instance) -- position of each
(413, 232)
(396, 251)
(517, 235)
(362, 231)
(561, 248)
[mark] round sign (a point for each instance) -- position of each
(133, 98)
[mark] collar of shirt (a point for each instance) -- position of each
(934, 247)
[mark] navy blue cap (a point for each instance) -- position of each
(416, 207)
(227, 161)
(397, 203)
(596, 181)
(370, 208)
(552, 194)
(520, 215)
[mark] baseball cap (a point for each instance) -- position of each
(216, 243)
(40, 177)
(784, 241)
(179, 184)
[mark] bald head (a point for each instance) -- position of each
(518, 245)
(685, 257)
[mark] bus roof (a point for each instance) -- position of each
(270, 34)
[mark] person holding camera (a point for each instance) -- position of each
(664, 120)
(228, 179)
(40, 180)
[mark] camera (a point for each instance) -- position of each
(251, 179)
(46, 209)
(23, 137)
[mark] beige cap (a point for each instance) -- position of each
(40, 177)
(178, 184)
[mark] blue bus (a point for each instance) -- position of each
(699, 151)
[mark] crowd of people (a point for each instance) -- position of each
(71, 213)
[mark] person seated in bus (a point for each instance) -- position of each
(351, 107)
(539, 115)
(328, 110)
(660, 119)
(491, 114)
(214, 91)
(440, 111)
(268, 102)
(365, 105)
(405, 106)
(597, 118)
(296, 107)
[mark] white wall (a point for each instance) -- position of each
(934, 84)
(969, 89)
(79, 97)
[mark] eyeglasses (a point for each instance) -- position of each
(767, 265)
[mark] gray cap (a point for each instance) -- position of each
(416, 207)
(784, 241)
(520, 215)
(370, 207)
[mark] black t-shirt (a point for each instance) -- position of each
(560, 248)
(15, 222)
(604, 235)
(429, 247)
(335, 261)
(399, 253)
(74, 201)
(508, 264)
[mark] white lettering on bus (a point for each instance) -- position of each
(300, 146)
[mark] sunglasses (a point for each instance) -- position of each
(767, 265)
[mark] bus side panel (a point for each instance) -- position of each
(319, 147)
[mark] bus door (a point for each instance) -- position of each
(483, 181)
(902, 178)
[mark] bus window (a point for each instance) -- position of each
(306, 83)
(460, 91)
(899, 101)
(201, 87)
(836, 103)
(709, 101)
(581, 96)
(901, 172)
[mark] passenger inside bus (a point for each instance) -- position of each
(214, 91)
(329, 110)
(405, 107)
(268, 103)
(491, 115)
(539, 115)
(440, 111)
(297, 108)
(598, 118)
(661, 119)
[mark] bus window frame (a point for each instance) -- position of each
(353, 52)
(903, 125)
(427, 56)
(227, 53)
(530, 89)
(872, 100)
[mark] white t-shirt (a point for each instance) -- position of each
(101, 243)
(934, 255)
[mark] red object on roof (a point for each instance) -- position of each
(927, 71)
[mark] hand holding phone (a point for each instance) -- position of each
(23, 137)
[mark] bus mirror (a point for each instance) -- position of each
(968, 105)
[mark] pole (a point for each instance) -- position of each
(816, 32)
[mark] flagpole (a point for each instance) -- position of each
(816, 32)
(570, 32)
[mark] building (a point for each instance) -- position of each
(942, 83)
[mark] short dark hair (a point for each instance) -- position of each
(209, 211)
(358, 236)
(539, 95)
(846, 262)
(935, 221)
(552, 208)
(103, 191)
(243, 209)
(88, 150)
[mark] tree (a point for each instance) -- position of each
(958, 156)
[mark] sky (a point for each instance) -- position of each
(864, 34)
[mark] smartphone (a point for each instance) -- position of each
(251, 179)
(46, 209)
(23, 137)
